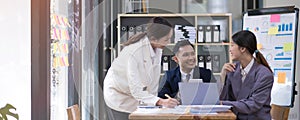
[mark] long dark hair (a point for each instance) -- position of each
(157, 27)
(248, 40)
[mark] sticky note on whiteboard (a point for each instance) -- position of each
(259, 46)
(273, 30)
(281, 77)
(288, 47)
(275, 18)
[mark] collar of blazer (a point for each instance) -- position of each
(196, 73)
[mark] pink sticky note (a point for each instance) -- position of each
(275, 18)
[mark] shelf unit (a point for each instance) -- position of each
(220, 49)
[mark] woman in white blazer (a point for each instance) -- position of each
(134, 75)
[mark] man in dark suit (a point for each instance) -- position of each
(185, 57)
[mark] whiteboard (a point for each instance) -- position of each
(276, 35)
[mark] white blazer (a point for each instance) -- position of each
(133, 77)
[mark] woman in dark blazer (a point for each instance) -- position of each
(248, 81)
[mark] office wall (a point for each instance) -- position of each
(163, 6)
(15, 66)
(295, 111)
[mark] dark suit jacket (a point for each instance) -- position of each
(171, 78)
(251, 99)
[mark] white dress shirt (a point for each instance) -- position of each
(246, 70)
(183, 75)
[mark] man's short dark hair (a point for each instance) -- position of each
(181, 44)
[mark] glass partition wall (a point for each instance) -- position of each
(64, 39)
(80, 53)
(84, 44)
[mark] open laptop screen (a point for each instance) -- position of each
(198, 93)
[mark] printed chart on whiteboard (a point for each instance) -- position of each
(276, 41)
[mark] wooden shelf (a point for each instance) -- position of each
(188, 20)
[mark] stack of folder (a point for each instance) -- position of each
(211, 62)
(183, 32)
(130, 30)
(208, 33)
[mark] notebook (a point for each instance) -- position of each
(198, 93)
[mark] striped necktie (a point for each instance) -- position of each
(187, 78)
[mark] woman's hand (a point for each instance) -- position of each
(170, 102)
(228, 67)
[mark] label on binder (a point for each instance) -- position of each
(124, 36)
(208, 62)
(201, 60)
(216, 63)
(200, 34)
(165, 65)
(131, 31)
(138, 29)
(208, 34)
(216, 33)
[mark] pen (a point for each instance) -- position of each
(149, 107)
(167, 96)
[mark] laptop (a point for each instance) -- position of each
(198, 93)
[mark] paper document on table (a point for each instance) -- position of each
(184, 109)
(156, 110)
(147, 111)
(195, 109)
(196, 80)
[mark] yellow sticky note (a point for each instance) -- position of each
(273, 30)
(61, 62)
(55, 48)
(281, 77)
(259, 46)
(66, 21)
(66, 60)
(55, 62)
(288, 47)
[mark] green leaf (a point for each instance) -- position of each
(5, 111)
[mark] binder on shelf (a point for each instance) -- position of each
(131, 31)
(144, 27)
(208, 62)
(208, 34)
(216, 64)
(172, 63)
(124, 36)
(216, 32)
(165, 62)
(201, 61)
(201, 33)
(138, 29)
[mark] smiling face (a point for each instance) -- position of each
(186, 57)
(236, 51)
